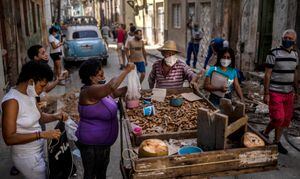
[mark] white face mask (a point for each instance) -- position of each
(171, 60)
(225, 62)
(31, 91)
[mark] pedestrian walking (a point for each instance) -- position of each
(215, 46)
(121, 38)
(281, 85)
(194, 43)
(105, 33)
(136, 53)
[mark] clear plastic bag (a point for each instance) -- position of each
(71, 128)
(133, 86)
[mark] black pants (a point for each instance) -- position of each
(95, 159)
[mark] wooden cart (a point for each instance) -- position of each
(209, 163)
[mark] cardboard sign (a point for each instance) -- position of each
(218, 80)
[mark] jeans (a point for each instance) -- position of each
(95, 159)
(192, 48)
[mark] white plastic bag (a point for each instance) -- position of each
(71, 128)
(134, 86)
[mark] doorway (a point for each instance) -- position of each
(265, 28)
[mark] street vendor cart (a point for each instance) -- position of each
(218, 158)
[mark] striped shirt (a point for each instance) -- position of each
(283, 64)
(173, 79)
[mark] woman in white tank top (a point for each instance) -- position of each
(21, 116)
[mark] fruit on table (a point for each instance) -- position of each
(153, 148)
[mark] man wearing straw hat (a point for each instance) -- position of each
(170, 72)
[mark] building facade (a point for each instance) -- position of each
(22, 24)
(251, 27)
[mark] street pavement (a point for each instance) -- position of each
(288, 164)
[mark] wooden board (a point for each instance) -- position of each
(206, 164)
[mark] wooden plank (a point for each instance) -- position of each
(165, 136)
(221, 122)
(226, 107)
(205, 130)
(236, 125)
(207, 157)
(208, 162)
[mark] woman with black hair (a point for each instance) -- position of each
(221, 79)
(98, 125)
(55, 50)
(21, 117)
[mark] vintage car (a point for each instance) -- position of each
(83, 42)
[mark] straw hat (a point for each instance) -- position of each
(169, 45)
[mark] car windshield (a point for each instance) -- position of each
(85, 34)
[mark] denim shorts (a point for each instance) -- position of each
(140, 67)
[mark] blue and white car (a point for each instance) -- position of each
(83, 42)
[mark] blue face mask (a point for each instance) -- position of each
(287, 43)
(102, 82)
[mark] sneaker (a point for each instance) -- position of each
(281, 149)
(14, 171)
(263, 133)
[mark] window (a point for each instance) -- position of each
(33, 16)
(191, 11)
(25, 10)
(176, 15)
(85, 34)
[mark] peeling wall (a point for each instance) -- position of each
(284, 18)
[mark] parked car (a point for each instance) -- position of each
(83, 42)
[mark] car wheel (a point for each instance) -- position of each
(104, 61)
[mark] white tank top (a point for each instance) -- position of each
(27, 120)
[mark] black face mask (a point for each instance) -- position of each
(102, 82)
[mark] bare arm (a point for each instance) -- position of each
(97, 92)
(267, 78)
(9, 126)
(120, 92)
(238, 89)
(55, 46)
(145, 54)
(296, 83)
(46, 118)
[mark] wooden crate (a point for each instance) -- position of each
(202, 165)
(210, 163)
(137, 140)
(214, 130)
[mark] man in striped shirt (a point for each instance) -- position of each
(170, 72)
(280, 86)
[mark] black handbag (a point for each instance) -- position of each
(61, 165)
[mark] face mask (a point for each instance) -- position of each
(102, 82)
(170, 61)
(287, 43)
(225, 62)
(31, 90)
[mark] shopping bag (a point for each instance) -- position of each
(133, 86)
(60, 158)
